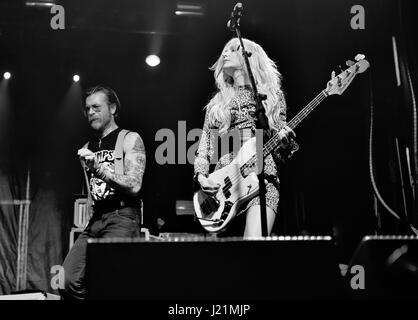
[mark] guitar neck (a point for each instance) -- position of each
(275, 140)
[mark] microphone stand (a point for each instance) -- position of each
(262, 123)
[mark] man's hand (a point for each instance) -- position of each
(88, 158)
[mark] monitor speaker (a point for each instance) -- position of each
(384, 267)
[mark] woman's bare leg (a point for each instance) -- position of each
(253, 221)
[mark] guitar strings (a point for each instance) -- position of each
(273, 141)
(292, 124)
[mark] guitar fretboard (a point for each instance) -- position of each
(275, 140)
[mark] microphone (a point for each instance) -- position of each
(235, 16)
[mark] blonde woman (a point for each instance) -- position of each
(233, 108)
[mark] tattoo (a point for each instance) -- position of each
(140, 159)
(131, 179)
(139, 145)
(134, 167)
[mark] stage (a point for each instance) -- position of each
(339, 80)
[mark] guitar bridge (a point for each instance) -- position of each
(212, 220)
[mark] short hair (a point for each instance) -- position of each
(111, 95)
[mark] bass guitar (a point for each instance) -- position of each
(238, 180)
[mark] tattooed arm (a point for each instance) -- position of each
(134, 166)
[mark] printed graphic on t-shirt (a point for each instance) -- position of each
(100, 190)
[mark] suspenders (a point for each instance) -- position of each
(118, 156)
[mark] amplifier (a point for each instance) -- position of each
(384, 267)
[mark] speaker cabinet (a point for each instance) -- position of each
(201, 269)
(384, 267)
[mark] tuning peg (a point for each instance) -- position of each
(359, 57)
(349, 63)
(333, 74)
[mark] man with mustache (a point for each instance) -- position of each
(115, 196)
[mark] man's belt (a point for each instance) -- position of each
(112, 205)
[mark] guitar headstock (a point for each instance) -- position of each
(338, 84)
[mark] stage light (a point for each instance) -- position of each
(152, 60)
(76, 78)
(190, 9)
(40, 3)
(7, 75)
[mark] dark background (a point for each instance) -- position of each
(326, 186)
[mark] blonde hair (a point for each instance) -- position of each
(267, 79)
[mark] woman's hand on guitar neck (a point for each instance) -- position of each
(207, 185)
(285, 134)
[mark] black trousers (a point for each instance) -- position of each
(119, 223)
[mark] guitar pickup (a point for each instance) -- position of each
(244, 171)
(226, 187)
(247, 169)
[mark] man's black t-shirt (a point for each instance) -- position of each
(104, 150)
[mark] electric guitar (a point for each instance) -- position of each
(238, 180)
